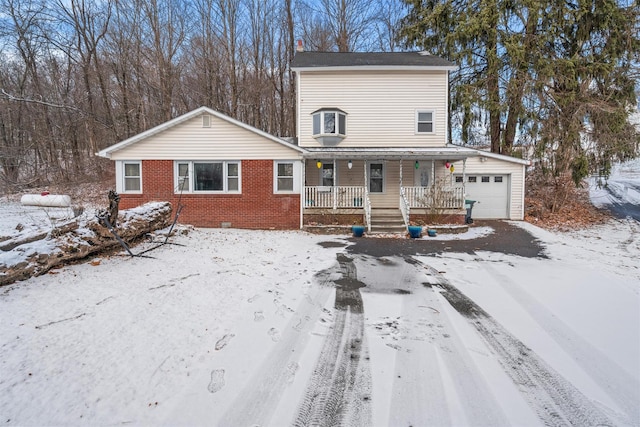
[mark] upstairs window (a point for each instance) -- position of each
(424, 121)
(328, 123)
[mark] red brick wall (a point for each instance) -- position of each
(257, 207)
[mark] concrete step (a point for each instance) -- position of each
(387, 221)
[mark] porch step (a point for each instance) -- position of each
(387, 221)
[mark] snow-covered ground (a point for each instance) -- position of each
(229, 327)
(620, 192)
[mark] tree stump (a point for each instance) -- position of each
(114, 202)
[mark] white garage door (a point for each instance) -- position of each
(492, 194)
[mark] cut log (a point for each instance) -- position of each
(87, 238)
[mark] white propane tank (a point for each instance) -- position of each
(46, 200)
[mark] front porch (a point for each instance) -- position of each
(354, 188)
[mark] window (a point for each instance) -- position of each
(132, 177)
(459, 179)
(376, 177)
(284, 177)
(327, 177)
(424, 121)
(197, 176)
(472, 179)
(485, 179)
(497, 179)
(206, 121)
(329, 122)
(183, 177)
(233, 176)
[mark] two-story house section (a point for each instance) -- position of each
(374, 130)
(371, 148)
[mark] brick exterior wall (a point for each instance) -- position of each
(257, 207)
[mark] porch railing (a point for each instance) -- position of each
(404, 207)
(334, 197)
(434, 197)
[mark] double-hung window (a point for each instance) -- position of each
(207, 176)
(424, 121)
(286, 176)
(128, 176)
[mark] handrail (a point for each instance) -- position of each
(367, 209)
(404, 207)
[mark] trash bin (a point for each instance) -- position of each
(468, 204)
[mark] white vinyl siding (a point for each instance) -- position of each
(129, 176)
(381, 105)
(189, 140)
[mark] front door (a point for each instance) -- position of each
(422, 176)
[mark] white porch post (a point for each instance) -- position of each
(335, 185)
(303, 191)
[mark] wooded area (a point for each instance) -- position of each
(79, 75)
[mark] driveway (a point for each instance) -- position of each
(430, 333)
(507, 239)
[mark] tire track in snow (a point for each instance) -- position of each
(555, 400)
(339, 390)
(622, 387)
(257, 402)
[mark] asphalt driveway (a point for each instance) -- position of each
(507, 239)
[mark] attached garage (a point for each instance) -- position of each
(496, 182)
(491, 192)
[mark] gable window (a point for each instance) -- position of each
(203, 176)
(376, 177)
(424, 121)
(286, 176)
(206, 121)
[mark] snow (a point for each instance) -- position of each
(224, 327)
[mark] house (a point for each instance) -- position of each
(224, 172)
(371, 148)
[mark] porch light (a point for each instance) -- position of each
(350, 164)
(319, 164)
(417, 164)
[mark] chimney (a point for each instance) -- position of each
(300, 48)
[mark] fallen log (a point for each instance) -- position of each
(87, 238)
(14, 242)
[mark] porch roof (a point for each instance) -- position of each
(391, 153)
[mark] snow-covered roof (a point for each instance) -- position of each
(180, 119)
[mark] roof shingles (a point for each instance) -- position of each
(367, 59)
